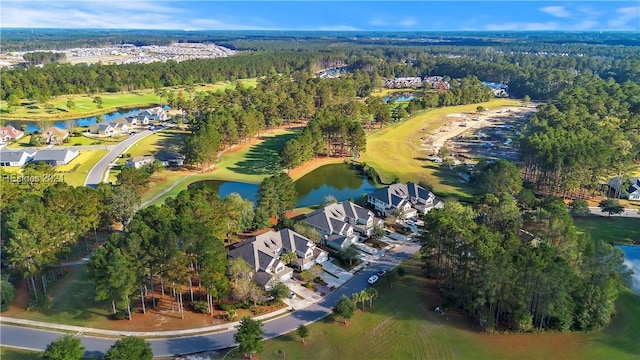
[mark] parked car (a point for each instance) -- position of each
(373, 279)
(409, 222)
(381, 273)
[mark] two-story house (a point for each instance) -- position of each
(263, 253)
(342, 224)
(408, 199)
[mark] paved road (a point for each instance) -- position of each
(628, 212)
(39, 339)
(97, 172)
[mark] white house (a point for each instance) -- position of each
(140, 161)
(263, 253)
(16, 158)
(109, 128)
(156, 113)
(55, 157)
(54, 135)
(408, 199)
(343, 223)
(634, 190)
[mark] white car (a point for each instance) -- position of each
(409, 222)
(373, 279)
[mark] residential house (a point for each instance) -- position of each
(109, 128)
(169, 158)
(55, 157)
(54, 135)
(409, 199)
(140, 161)
(137, 120)
(16, 158)
(156, 113)
(8, 133)
(263, 253)
(632, 192)
(342, 224)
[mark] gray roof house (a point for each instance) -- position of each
(109, 127)
(169, 158)
(342, 223)
(55, 157)
(409, 198)
(263, 253)
(16, 158)
(156, 113)
(632, 192)
(140, 161)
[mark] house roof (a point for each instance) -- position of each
(15, 156)
(262, 252)
(635, 186)
(11, 132)
(53, 154)
(54, 130)
(168, 156)
(397, 194)
(334, 218)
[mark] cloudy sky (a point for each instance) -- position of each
(323, 15)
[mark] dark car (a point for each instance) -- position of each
(381, 273)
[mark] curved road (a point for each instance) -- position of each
(97, 172)
(35, 339)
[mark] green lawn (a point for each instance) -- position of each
(169, 140)
(396, 151)
(611, 230)
(7, 353)
(72, 302)
(56, 108)
(167, 178)
(87, 159)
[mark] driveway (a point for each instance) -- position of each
(39, 339)
(97, 172)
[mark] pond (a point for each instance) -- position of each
(398, 98)
(337, 180)
(632, 260)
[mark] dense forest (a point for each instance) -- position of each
(520, 264)
(582, 139)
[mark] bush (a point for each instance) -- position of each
(401, 271)
(121, 315)
(7, 291)
(256, 310)
(40, 304)
(200, 306)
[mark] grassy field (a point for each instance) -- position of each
(87, 159)
(18, 354)
(169, 140)
(396, 152)
(610, 229)
(56, 108)
(403, 325)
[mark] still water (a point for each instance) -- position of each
(632, 260)
(337, 180)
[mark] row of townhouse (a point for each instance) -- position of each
(51, 157)
(121, 125)
(52, 135)
(340, 225)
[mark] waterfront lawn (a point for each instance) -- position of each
(253, 163)
(610, 229)
(162, 181)
(397, 151)
(56, 108)
(87, 159)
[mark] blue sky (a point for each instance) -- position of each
(326, 15)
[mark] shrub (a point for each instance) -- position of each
(200, 306)
(40, 304)
(121, 315)
(401, 271)
(7, 291)
(256, 310)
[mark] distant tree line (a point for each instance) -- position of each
(44, 57)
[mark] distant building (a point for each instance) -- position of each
(140, 161)
(156, 113)
(56, 157)
(8, 133)
(54, 135)
(109, 128)
(168, 158)
(16, 158)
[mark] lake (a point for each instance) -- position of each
(63, 124)
(337, 180)
(632, 260)
(398, 98)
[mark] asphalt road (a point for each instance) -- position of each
(97, 172)
(39, 339)
(628, 212)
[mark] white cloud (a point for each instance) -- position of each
(556, 11)
(405, 23)
(625, 16)
(523, 26)
(586, 25)
(408, 22)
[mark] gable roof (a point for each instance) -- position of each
(334, 218)
(396, 194)
(15, 156)
(53, 154)
(11, 132)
